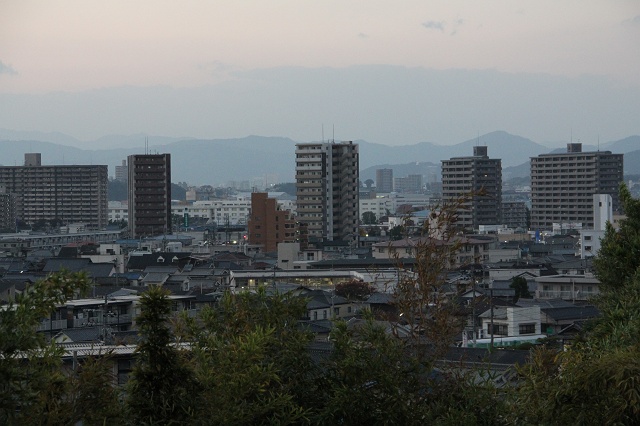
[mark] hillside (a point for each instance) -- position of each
(218, 161)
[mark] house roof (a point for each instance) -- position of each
(381, 298)
(81, 334)
(99, 270)
(320, 299)
(572, 313)
(544, 303)
(413, 242)
(70, 264)
(144, 260)
(155, 277)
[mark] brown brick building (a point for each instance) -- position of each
(268, 225)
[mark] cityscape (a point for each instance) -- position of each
(318, 214)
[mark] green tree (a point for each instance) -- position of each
(619, 256)
(521, 287)
(369, 218)
(162, 388)
(251, 360)
(34, 388)
(397, 233)
(370, 379)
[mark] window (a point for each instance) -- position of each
(498, 329)
(527, 329)
(324, 314)
(336, 311)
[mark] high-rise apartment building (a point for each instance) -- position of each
(563, 185)
(268, 225)
(384, 180)
(514, 214)
(7, 211)
(327, 190)
(463, 176)
(149, 194)
(60, 195)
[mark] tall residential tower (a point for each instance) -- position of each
(59, 195)
(327, 190)
(149, 194)
(462, 176)
(563, 185)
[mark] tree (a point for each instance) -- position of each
(369, 218)
(619, 256)
(354, 290)
(397, 233)
(251, 361)
(161, 388)
(33, 386)
(521, 287)
(369, 183)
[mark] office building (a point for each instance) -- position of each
(411, 184)
(268, 224)
(563, 185)
(384, 180)
(149, 195)
(464, 176)
(58, 195)
(122, 172)
(327, 190)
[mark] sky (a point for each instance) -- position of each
(103, 54)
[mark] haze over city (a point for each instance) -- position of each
(438, 72)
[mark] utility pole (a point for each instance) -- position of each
(473, 314)
(491, 320)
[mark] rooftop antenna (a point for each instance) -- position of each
(598, 141)
(333, 136)
(323, 132)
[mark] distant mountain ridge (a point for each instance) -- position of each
(199, 161)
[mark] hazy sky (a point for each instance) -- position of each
(82, 45)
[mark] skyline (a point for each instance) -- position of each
(368, 69)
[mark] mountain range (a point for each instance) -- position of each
(218, 161)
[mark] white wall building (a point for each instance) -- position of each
(602, 213)
(117, 211)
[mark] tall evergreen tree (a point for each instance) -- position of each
(162, 388)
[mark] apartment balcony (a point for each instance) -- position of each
(48, 325)
(566, 295)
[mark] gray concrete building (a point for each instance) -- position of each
(514, 214)
(563, 185)
(149, 184)
(462, 176)
(384, 180)
(327, 190)
(60, 195)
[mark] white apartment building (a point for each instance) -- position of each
(379, 206)
(117, 211)
(327, 190)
